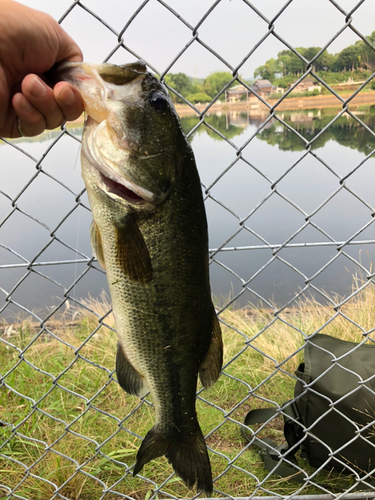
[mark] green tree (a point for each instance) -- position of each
(327, 61)
(284, 61)
(198, 97)
(196, 87)
(288, 65)
(215, 82)
(269, 71)
(180, 82)
(323, 61)
(291, 63)
(349, 58)
(310, 52)
(368, 53)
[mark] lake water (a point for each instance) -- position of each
(262, 192)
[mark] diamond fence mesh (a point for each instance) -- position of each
(288, 225)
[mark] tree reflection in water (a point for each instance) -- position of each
(346, 131)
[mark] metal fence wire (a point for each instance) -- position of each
(67, 430)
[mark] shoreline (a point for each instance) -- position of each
(253, 106)
(289, 104)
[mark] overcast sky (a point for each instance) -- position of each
(232, 30)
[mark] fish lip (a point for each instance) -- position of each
(107, 176)
(136, 196)
(111, 189)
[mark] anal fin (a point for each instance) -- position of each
(210, 367)
(127, 376)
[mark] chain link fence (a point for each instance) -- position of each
(291, 256)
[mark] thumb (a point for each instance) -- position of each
(4, 97)
(68, 49)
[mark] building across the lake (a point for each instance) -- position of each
(263, 88)
(308, 84)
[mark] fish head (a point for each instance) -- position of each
(132, 139)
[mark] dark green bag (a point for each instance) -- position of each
(332, 416)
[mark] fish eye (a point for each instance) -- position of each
(158, 101)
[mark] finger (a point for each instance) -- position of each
(32, 122)
(69, 99)
(42, 98)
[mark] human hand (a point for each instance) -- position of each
(31, 42)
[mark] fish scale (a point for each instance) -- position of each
(149, 233)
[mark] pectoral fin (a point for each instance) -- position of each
(96, 244)
(132, 253)
(210, 367)
(127, 376)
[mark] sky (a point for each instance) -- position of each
(231, 30)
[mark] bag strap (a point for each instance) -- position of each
(269, 451)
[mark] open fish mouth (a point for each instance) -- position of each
(120, 189)
(104, 158)
(115, 190)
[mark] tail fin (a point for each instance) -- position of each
(189, 458)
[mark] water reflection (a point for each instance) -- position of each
(286, 195)
(273, 193)
(345, 130)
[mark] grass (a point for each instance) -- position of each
(67, 424)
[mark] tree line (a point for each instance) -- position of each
(197, 90)
(358, 56)
(280, 71)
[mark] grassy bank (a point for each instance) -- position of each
(65, 420)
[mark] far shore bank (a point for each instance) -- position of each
(292, 103)
(255, 105)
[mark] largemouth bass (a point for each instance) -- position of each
(149, 233)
